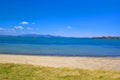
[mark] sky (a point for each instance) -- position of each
(70, 18)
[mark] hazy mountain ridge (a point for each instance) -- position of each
(107, 37)
(53, 36)
(29, 35)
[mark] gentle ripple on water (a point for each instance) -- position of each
(60, 46)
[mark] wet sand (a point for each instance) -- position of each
(92, 63)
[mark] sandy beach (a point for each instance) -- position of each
(92, 63)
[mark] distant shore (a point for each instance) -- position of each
(92, 63)
(107, 37)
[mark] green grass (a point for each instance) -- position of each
(29, 72)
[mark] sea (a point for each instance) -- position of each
(48, 46)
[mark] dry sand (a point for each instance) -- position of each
(102, 63)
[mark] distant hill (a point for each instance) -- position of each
(30, 35)
(52, 36)
(107, 37)
(36, 35)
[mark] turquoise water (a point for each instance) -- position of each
(60, 46)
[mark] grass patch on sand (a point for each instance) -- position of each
(30, 72)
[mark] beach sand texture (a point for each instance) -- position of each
(92, 63)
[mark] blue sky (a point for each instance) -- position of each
(76, 18)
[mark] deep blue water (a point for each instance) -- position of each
(60, 46)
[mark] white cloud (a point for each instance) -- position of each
(28, 28)
(19, 27)
(8, 29)
(1, 29)
(24, 22)
(69, 27)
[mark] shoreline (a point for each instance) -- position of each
(96, 56)
(92, 63)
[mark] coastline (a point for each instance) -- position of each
(92, 63)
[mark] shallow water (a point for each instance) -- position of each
(60, 46)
